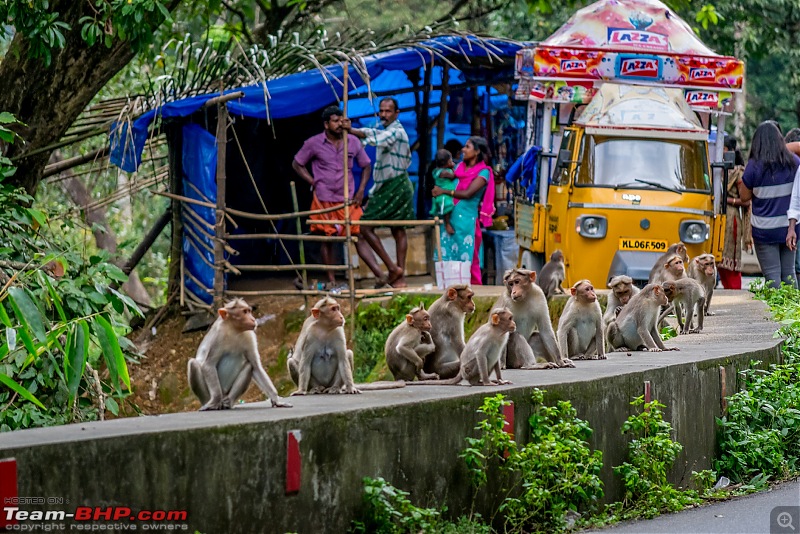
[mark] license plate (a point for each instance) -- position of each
(643, 245)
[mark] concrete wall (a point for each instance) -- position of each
(231, 478)
(228, 469)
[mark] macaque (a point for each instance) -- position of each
(227, 360)
(552, 275)
(320, 361)
(622, 289)
(447, 330)
(674, 249)
(580, 328)
(687, 296)
(635, 328)
(482, 353)
(408, 345)
(704, 270)
(533, 345)
(674, 269)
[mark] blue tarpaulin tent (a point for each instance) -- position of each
(478, 62)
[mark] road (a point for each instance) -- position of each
(751, 514)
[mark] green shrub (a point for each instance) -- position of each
(651, 454)
(554, 473)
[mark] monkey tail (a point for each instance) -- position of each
(449, 382)
(381, 385)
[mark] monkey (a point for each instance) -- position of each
(686, 295)
(622, 289)
(227, 360)
(447, 330)
(580, 328)
(526, 301)
(676, 248)
(482, 352)
(674, 269)
(320, 361)
(635, 328)
(408, 345)
(552, 275)
(704, 269)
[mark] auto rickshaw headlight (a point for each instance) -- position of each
(592, 226)
(693, 232)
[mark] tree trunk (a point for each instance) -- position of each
(104, 236)
(48, 99)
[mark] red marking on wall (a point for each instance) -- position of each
(508, 414)
(293, 462)
(647, 395)
(8, 488)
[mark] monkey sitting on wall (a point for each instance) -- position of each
(636, 326)
(533, 345)
(580, 328)
(408, 345)
(482, 353)
(622, 289)
(320, 361)
(551, 277)
(227, 360)
(447, 330)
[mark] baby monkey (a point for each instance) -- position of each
(687, 296)
(580, 328)
(408, 345)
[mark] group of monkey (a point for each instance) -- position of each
(429, 345)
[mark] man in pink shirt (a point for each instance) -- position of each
(325, 153)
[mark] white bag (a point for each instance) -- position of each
(452, 272)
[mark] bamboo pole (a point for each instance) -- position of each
(410, 222)
(301, 245)
(280, 216)
(291, 237)
(350, 278)
(310, 266)
(445, 91)
(183, 283)
(219, 228)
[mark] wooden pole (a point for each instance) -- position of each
(350, 279)
(219, 227)
(445, 91)
(424, 151)
(300, 245)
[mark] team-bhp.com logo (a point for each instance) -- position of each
(87, 518)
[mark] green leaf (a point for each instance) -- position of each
(75, 356)
(4, 318)
(56, 298)
(11, 338)
(7, 118)
(27, 312)
(24, 393)
(117, 368)
(112, 406)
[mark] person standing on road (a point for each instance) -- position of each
(737, 225)
(768, 182)
(325, 153)
(392, 197)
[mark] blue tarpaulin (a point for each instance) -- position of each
(305, 92)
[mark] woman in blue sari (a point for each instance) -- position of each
(474, 205)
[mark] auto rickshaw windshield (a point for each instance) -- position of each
(632, 163)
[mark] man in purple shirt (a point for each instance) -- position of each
(325, 153)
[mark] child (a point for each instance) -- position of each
(444, 178)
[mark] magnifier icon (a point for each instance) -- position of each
(785, 520)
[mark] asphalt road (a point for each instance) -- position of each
(774, 512)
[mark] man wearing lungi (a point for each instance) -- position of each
(392, 197)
